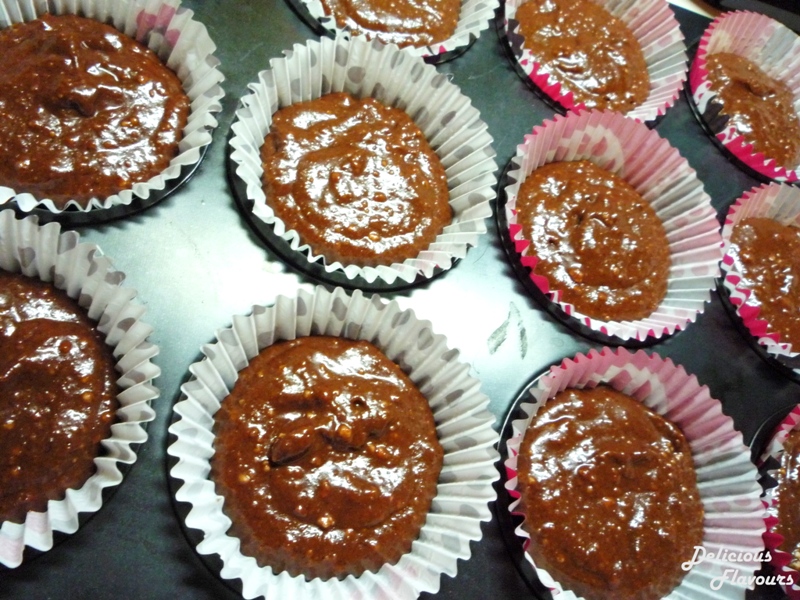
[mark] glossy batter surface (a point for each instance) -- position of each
(57, 395)
(788, 492)
(356, 179)
(760, 108)
(588, 51)
(610, 496)
(327, 456)
(85, 111)
(596, 239)
(408, 23)
(767, 254)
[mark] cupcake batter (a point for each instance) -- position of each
(356, 179)
(596, 240)
(591, 53)
(610, 496)
(759, 108)
(57, 395)
(767, 254)
(414, 23)
(788, 492)
(327, 456)
(85, 111)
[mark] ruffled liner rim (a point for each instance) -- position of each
(776, 41)
(662, 42)
(463, 422)
(456, 133)
(680, 201)
(184, 45)
(779, 559)
(81, 270)
(735, 516)
(766, 200)
(474, 18)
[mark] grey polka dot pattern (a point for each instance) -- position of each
(403, 81)
(187, 48)
(459, 507)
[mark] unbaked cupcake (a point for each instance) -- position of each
(760, 56)
(643, 88)
(395, 79)
(160, 40)
(726, 479)
(437, 33)
(761, 239)
(651, 170)
(463, 425)
(779, 460)
(45, 253)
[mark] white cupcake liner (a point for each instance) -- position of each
(734, 518)
(371, 69)
(775, 49)
(86, 275)
(473, 18)
(663, 178)
(771, 456)
(652, 23)
(463, 423)
(777, 201)
(183, 45)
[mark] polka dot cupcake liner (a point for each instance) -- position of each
(185, 46)
(371, 69)
(85, 274)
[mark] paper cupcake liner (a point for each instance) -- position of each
(770, 461)
(654, 26)
(734, 518)
(771, 46)
(780, 202)
(371, 69)
(462, 421)
(474, 17)
(86, 275)
(663, 178)
(181, 43)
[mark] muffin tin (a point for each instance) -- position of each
(195, 262)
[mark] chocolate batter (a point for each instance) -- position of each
(759, 108)
(356, 179)
(415, 23)
(767, 254)
(327, 457)
(57, 395)
(85, 111)
(588, 51)
(788, 492)
(610, 496)
(596, 239)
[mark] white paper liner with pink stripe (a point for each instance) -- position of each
(655, 27)
(81, 270)
(780, 559)
(728, 482)
(463, 423)
(182, 43)
(662, 177)
(775, 49)
(474, 17)
(777, 201)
